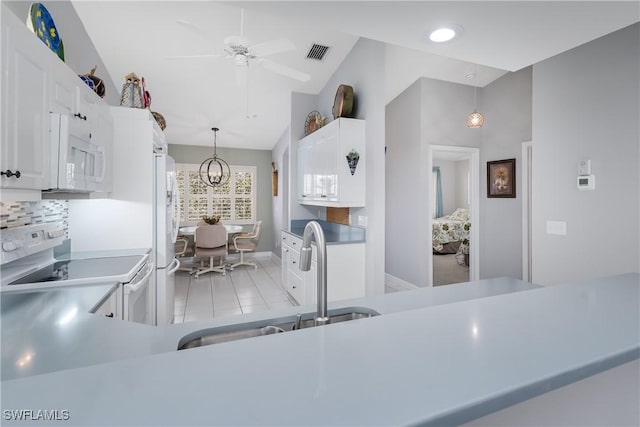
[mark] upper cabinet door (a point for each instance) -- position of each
(25, 115)
(326, 176)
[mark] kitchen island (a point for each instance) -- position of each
(430, 358)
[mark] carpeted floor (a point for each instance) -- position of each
(446, 270)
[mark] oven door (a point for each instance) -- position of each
(139, 298)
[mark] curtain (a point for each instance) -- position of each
(437, 193)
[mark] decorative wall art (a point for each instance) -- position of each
(501, 178)
(274, 179)
(41, 23)
(352, 158)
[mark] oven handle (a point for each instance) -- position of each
(174, 269)
(134, 287)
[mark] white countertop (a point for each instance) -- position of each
(440, 364)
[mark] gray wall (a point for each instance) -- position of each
(506, 105)
(363, 69)
(462, 184)
(586, 106)
(442, 108)
(259, 158)
(402, 254)
(79, 52)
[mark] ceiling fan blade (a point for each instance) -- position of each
(272, 47)
(184, 23)
(285, 71)
(203, 56)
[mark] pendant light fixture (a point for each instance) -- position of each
(475, 120)
(214, 171)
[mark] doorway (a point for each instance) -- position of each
(454, 198)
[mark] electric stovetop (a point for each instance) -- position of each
(79, 269)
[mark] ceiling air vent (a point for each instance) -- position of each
(317, 51)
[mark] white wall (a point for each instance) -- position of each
(586, 106)
(79, 52)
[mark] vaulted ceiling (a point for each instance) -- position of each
(195, 94)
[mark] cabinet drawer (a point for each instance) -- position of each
(296, 287)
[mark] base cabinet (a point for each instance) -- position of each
(345, 271)
(111, 306)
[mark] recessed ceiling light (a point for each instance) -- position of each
(442, 35)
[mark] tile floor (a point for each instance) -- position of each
(243, 290)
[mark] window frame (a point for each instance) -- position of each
(211, 195)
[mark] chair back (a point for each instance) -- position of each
(257, 231)
(211, 236)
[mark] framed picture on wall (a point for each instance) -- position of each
(501, 178)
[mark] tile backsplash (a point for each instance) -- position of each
(17, 214)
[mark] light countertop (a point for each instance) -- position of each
(430, 358)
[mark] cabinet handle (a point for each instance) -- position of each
(293, 262)
(9, 174)
(80, 116)
(109, 315)
(323, 195)
(293, 287)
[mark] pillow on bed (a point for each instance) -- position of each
(460, 214)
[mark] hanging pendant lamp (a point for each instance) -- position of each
(214, 171)
(475, 119)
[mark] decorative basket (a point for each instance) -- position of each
(160, 119)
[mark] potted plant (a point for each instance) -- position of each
(211, 220)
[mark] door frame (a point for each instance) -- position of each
(474, 214)
(527, 158)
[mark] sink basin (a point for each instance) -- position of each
(268, 327)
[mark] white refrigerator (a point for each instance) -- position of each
(142, 210)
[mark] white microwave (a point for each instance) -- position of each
(77, 163)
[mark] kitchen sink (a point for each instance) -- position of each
(268, 327)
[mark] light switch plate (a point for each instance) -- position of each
(557, 227)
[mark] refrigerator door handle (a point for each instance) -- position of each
(172, 270)
(175, 198)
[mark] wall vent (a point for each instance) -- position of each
(317, 51)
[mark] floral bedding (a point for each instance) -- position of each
(451, 228)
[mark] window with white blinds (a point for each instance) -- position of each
(235, 201)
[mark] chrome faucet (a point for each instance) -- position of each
(313, 228)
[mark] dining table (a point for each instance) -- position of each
(191, 230)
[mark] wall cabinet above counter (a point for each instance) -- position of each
(331, 165)
(36, 85)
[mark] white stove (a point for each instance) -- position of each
(28, 264)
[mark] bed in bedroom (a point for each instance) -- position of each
(451, 233)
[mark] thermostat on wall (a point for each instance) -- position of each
(586, 182)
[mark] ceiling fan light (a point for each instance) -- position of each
(475, 120)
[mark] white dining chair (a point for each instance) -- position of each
(211, 243)
(247, 242)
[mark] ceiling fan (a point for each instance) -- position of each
(242, 52)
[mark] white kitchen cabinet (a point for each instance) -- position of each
(324, 175)
(111, 306)
(35, 83)
(25, 116)
(345, 271)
